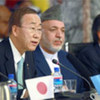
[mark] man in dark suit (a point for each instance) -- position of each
(90, 56)
(52, 40)
(24, 36)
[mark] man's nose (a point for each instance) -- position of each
(59, 33)
(37, 33)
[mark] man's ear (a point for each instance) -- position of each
(14, 30)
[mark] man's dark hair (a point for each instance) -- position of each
(17, 15)
(96, 28)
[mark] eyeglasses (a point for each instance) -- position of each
(33, 29)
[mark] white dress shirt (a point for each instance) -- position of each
(49, 58)
(17, 56)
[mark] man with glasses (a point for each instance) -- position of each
(24, 35)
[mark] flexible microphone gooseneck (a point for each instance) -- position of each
(56, 62)
(8, 79)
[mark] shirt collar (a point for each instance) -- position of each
(49, 56)
(16, 54)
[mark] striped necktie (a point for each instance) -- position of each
(20, 73)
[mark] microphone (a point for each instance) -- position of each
(10, 81)
(56, 62)
(80, 67)
(3, 75)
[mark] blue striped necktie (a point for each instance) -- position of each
(20, 73)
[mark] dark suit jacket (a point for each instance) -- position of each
(7, 63)
(90, 57)
(43, 68)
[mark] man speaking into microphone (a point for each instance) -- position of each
(16, 50)
(53, 38)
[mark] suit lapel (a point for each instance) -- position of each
(41, 63)
(29, 68)
(97, 48)
(63, 60)
(9, 64)
(96, 55)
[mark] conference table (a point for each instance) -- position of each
(72, 96)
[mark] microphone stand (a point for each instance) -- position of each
(10, 81)
(78, 75)
(73, 95)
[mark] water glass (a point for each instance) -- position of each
(70, 85)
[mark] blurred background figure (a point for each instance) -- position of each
(90, 56)
(28, 3)
(78, 19)
(4, 17)
(42, 4)
(13, 5)
(55, 2)
(2, 2)
(25, 3)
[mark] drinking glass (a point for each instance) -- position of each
(70, 85)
